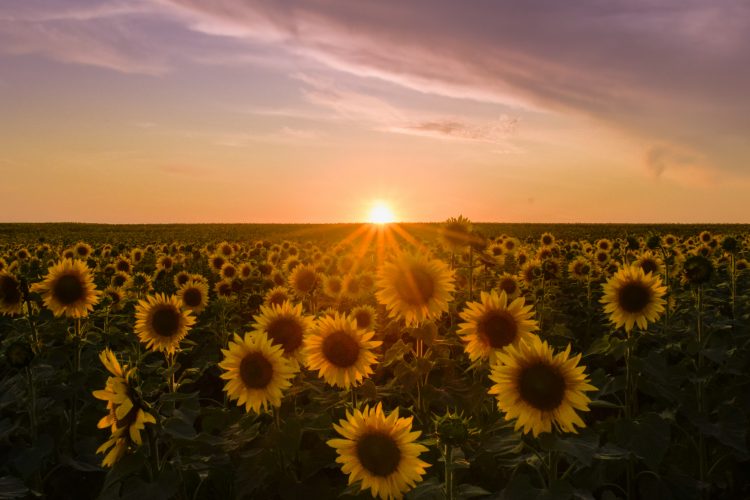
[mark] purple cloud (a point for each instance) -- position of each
(671, 73)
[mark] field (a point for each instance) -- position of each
(432, 361)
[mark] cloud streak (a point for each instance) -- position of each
(672, 72)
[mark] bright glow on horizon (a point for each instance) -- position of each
(381, 213)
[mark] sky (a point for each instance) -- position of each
(137, 111)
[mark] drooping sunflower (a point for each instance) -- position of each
(379, 451)
(539, 388)
(341, 352)
(194, 296)
(633, 297)
(161, 323)
(285, 325)
(68, 289)
(11, 298)
(256, 372)
(127, 414)
(493, 323)
(415, 288)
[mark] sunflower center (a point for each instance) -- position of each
(305, 280)
(9, 292)
(415, 286)
(542, 386)
(363, 319)
(634, 297)
(649, 266)
(192, 297)
(256, 371)
(498, 328)
(166, 321)
(341, 349)
(287, 332)
(378, 453)
(509, 286)
(68, 289)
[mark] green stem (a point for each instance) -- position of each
(551, 468)
(76, 370)
(700, 388)
(32, 402)
(448, 458)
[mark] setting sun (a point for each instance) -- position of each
(381, 213)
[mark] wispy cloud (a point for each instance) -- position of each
(672, 72)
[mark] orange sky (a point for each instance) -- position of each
(230, 111)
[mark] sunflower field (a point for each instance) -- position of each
(452, 360)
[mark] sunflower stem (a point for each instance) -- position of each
(35, 344)
(471, 272)
(551, 468)
(448, 459)
(76, 371)
(699, 386)
(170, 357)
(153, 451)
(32, 401)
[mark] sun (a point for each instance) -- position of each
(381, 213)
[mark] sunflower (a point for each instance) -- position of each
(340, 351)
(127, 415)
(351, 287)
(415, 288)
(228, 271)
(194, 296)
(650, 263)
(580, 268)
(276, 296)
(303, 280)
(285, 325)
(11, 297)
(82, 250)
(68, 289)
(256, 372)
(365, 316)
(493, 324)
(115, 296)
(215, 262)
(332, 286)
(379, 451)
(181, 278)
(165, 262)
(633, 297)
(539, 388)
(120, 279)
(530, 272)
(456, 233)
(547, 239)
(161, 323)
(697, 270)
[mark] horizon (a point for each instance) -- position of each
(143, 111)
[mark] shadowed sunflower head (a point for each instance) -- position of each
(11, 296)
(697, 270)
